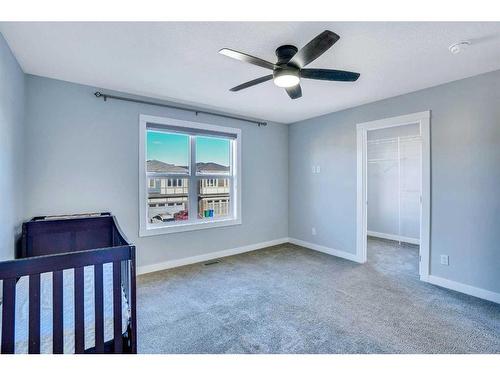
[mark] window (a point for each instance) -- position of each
(190, 176)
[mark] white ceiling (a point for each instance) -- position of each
(179, 60)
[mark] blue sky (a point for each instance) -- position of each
(174, 148)
(214, 150)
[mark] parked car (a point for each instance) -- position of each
(181, 215)
(162, 218)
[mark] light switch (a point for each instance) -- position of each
(445, 260)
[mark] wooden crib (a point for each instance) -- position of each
(72, 290)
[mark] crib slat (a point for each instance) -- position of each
(79, 312)
(57, 312)
(133, 302)
(8, 315)
(117, 306)
(34, 314)
(99, 309)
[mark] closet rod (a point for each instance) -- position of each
(99, 94)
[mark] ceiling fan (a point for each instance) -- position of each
(289, 68)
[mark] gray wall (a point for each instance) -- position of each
(82, 155)
(465, 173)
(11, 145)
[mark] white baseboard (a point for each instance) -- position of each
(394, 237)
(462, 288)
(209, 256)
(326, 250)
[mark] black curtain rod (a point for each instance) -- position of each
(99, 94)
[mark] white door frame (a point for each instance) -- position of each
(423, 119)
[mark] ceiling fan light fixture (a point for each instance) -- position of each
(288, 70)
(286, 78)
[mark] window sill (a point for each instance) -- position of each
(185, 227)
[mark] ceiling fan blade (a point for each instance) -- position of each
(252, 83)
(329, 75)
(294, 92)
(246, 58)
(314, 49)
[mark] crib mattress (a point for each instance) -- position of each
(22, 310)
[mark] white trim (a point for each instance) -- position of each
(394, 237)
(188, 226)
(462, 288)
(389, 122)
(423, 119)
(425, 204)
(188, 124)
(326, 250)
(144, 230)
(208, 256)
(361, 195)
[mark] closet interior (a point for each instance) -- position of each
(394, 183)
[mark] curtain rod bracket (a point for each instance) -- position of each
(99, 94)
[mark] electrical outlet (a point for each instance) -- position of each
(445, 260)
(313, 231)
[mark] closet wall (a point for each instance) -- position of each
(394, 175)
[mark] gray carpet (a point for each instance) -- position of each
(288, 299)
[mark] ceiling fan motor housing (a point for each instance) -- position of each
(285, 53)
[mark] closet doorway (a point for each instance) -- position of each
(393, 197)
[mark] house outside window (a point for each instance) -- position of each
(190, 176)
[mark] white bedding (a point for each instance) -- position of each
(22, 310)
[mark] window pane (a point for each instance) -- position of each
(167, 199)
(212, 155)
(167, 152)
(213, 197)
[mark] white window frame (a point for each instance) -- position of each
(193, 223)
